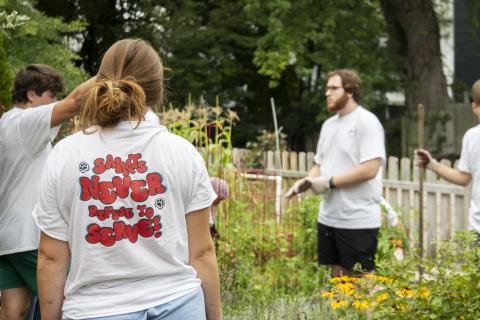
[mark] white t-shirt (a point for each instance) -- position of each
(469, 162)
(25, 146)
(345, 142)
(151, 116)
(120, 197)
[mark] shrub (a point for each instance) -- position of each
(448, 288)
(5, 77)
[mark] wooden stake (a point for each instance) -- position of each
(421, 137)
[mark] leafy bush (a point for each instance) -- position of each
(448, 288)
(262, 262)
(209, 129)
(5, 77)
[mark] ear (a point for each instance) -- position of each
(349, 93)
(31, 95)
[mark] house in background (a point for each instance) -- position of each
(467, 45)
(460, 47)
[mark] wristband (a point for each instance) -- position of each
(330, 183)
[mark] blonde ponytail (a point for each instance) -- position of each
(111, 101)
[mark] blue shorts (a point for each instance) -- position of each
(188, 307)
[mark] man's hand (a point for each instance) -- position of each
(319, 184)
(423, 158)
(299, 186)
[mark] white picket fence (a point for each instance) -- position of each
(445, 205)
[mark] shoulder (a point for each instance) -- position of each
(72, 141)
(472, 133)
(330, 121)
(368, 118)
(175, 142)
(12, 115)
(40, 111)
(366, 114)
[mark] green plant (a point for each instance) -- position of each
(5, 76)
(11, 20)
(209, 129)
(264, 142)
(263, 261)
(448, 288)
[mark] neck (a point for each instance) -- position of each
(24, 105)
(349, 108)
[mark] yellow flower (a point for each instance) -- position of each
(405, 292)
(346, 288)
(378, 278)
(360, 305)
(343, 279)
(358, 296)
(327, 294)
(385, 280)
(382, 297)
(424, 293)
(338, 304)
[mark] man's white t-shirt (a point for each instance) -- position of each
(25, 146)
(345, 142)
(469, 162)
(120, 197)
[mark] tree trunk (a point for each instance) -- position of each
(414, 26)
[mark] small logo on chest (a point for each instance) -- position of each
(352, 132)
(83, 167)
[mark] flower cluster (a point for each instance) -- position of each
(367, 292)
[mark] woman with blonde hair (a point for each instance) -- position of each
(127, 204)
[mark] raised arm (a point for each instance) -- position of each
(53, 259)
(202, 258)
(453, 175)
(70, 106)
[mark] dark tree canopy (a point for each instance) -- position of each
(246, 51)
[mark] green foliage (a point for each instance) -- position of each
(12, 20)
(261, 261)
(208, 129)
(266, 141)
(448, 289)
(268, 270)
(5, 77)
(107, 22)
(247, 51)
(42, 39)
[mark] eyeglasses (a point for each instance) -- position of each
(332, 88)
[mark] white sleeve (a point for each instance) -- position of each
(47, 213)
(34, 128)
(372, 141)
(200, 193)
(464, 162)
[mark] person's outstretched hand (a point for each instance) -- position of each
(299, 186)
(319, 184)
(423, 158)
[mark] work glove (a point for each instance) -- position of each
(423, 158)
(319, 184)
(392, 215)
(299, 186)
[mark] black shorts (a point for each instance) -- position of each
(346, 247)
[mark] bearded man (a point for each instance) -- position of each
(348, 173)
